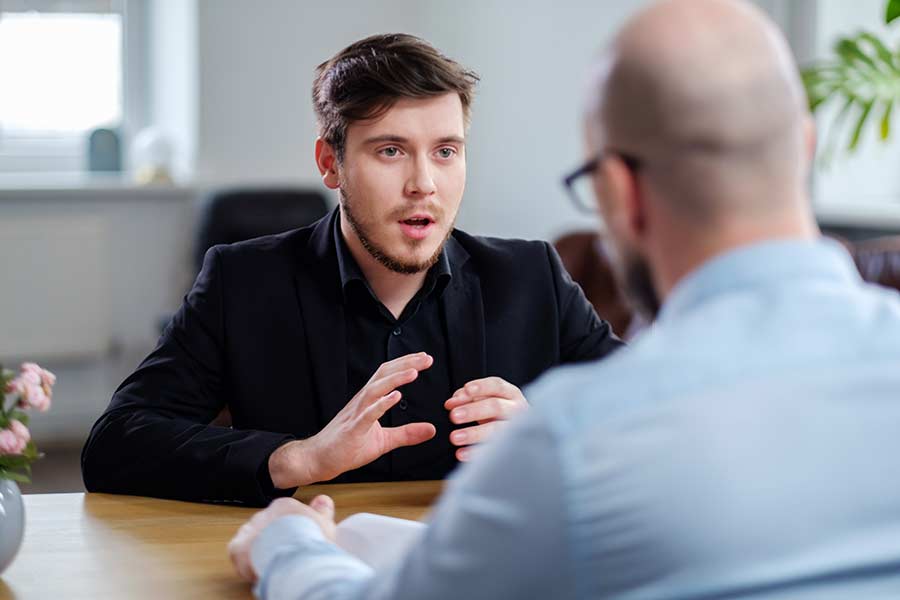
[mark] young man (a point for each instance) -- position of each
(379, 343)
(747, 444)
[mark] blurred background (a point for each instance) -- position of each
(120, 120)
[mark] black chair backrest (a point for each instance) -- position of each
(234, 215)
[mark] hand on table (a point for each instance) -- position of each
(489, 402)
(354, 437)
(320, 509)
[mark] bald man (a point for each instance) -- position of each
(745, 446)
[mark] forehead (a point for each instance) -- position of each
(422, 119)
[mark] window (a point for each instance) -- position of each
(61, 77)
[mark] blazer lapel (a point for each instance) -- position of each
(322, 310)
(464, 314)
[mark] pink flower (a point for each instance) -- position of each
(10, 443)
(48, 379)
(14, 386)
(34, 386)
(19, 429)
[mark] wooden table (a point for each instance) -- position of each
(107, 546)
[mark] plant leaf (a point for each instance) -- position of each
(848, 49)
(17, 461)
(892, 11)
(14, 476)
(820, 84)
(886, 121)
(835, 128)
(20, 416)
(881, 50)
(857, 131)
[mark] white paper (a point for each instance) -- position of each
(377, 540)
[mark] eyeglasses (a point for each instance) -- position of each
(583, 198)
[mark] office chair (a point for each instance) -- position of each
(237, 214)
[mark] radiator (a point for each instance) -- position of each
(54, 287)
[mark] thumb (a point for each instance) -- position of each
(408, 435)
(323, 505)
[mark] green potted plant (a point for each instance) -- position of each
(863, 77)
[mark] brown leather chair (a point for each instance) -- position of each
(583, 256)
(878, 261)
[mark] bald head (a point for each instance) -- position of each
(707, 94)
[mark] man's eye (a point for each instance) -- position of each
(390, 151)
(446, 152)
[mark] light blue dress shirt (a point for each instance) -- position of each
(746, 446)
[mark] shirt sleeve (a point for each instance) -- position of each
(155, 438)
(498, 531)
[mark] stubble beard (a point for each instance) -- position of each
(380, 254)
(632, 273)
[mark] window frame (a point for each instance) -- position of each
(27, 156)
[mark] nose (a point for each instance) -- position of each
(420, 182)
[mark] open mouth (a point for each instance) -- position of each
(417, 227)
(419, 222)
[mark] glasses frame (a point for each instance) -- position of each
(633, 163)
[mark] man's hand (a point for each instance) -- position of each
(488, 402)
(320, 510)
(354, 437)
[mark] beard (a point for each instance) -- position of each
(632, 273)
(639, 287)
(393, 263)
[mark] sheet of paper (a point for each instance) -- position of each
(377, 540)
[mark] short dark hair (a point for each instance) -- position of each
(363, 81)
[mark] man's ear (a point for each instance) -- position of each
(625, 202)
(326, 160)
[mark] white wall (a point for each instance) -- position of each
(256, 64)
(148, 233)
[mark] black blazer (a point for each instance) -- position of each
(262, 332)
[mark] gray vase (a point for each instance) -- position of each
(12, 521)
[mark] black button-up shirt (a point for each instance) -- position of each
(374, 337)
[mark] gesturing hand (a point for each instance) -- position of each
(354, 437)
(488, 402)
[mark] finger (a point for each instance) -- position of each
(483, 388)
(475, 434)
(465, 454)
(238, 552)
(282, 506)
(379, 388)
(419, 361)
(457, 400)
(323, 505)
(460, 391)
(491, 386)
(408, 435)
(377, 410)
(482, 410)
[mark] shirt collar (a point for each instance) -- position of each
(436, 280)
(758, 265)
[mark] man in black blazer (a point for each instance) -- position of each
(378, 344)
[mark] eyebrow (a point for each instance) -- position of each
(380, 139)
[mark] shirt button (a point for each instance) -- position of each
(403, 405)
(397, 331)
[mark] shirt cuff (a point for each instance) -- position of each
(285, 533)
(292, 557)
